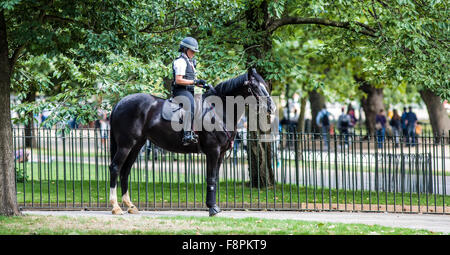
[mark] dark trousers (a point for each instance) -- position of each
(380, 137)
(186, 94)
(344, 135)
(411, 138)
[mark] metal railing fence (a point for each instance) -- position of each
(335, 172)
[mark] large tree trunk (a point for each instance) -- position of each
(260, 162)
(301, 117)
(259, 152)
(372, 103)
(8, 199)
(30, 138)
(317, 102)
(439, 119)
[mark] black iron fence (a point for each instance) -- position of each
(308, 171)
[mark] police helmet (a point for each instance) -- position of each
(189, 43)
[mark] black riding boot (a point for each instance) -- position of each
(189, 137)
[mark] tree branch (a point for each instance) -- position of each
(147, 29)
(15, 56)
(57, 18)
(367, 30)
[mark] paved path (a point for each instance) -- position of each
(436, 223)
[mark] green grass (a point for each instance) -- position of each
(89, 184)
(77, 171)
(64, 225)
(230, 194)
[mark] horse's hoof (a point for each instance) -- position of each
(117, 211)
(214, 210)
(133, 210)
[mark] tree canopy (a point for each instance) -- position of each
(118, 47)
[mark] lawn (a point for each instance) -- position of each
(75, 184)
(84, 225)
(231, 195)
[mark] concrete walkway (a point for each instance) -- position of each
(436, 223)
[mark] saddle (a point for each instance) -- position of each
(173, 111)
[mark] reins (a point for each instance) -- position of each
(229, 138)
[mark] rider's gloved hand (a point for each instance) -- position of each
(199, 82)
(207, 87)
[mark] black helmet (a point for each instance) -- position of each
(189, 43)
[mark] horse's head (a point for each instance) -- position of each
(257, 87)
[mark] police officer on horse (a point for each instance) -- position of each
(185, 78)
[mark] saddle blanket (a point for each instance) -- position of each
(173, 111)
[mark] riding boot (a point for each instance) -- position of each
(189, 136)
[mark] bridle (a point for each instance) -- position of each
(250, 90)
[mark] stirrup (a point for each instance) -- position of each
(189, 138)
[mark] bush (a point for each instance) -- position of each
(20, 177)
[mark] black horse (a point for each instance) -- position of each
(137, 117)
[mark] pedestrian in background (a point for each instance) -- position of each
(241, 135)
(353, 119)
(104, 125)
(411, 122)
(343, 125)
(323, 121)
(403, 124)
(380, 126)
(396, 124)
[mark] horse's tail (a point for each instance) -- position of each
(112, 140)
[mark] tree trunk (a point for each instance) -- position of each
(317, 102)
(30, 138)
(288, 110)
(260, 162)
(8, 199)
(301, 117)
(256, 48)
(300, 129)
(372, 103)
(439, 119)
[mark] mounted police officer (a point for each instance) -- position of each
(185, 78)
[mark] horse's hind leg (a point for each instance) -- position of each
(114, 169)
(126, 169)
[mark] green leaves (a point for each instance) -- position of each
(9, 4)
(88, 54)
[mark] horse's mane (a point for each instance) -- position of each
(228, 86)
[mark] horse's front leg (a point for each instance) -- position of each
(214, 160)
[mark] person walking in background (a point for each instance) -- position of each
(380, 126)
(44, 115)
(323, 121)
(241, 135)
(411, 122)
(343, 125)
(104, 125)
(353, 119)
(396, 124)
(403, 125)
(418, 130)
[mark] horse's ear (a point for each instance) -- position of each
(250, 72)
